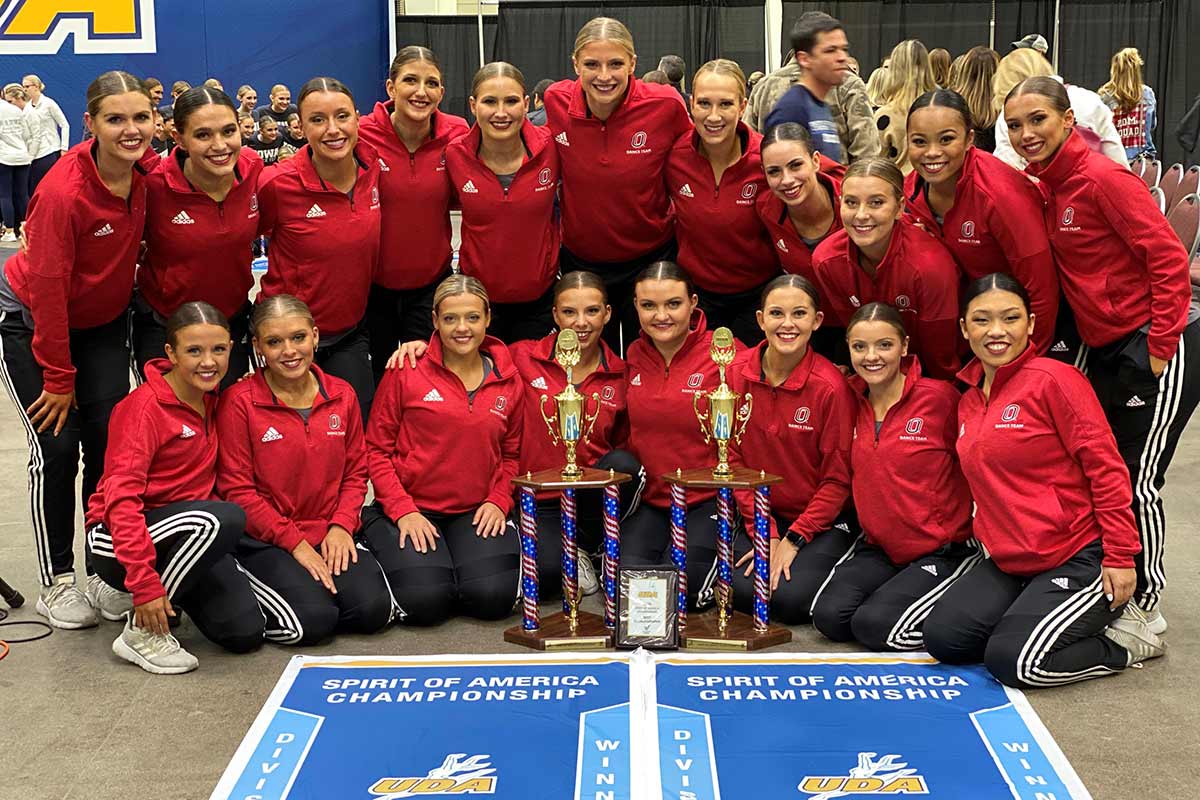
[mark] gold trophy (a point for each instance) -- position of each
(571, 414)
(724, 406)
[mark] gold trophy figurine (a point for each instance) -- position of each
(574, 424)
(724, 407)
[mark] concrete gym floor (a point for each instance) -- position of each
(77, 722)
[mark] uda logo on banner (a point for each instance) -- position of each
(888, 775)
(456, 776)
(41, 27)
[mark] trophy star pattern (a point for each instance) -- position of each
(529, 584)
(612, 552)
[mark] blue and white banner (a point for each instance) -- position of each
(638, 727)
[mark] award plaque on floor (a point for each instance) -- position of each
(646, 615)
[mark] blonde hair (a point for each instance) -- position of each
(496, 69)
(604, 29)
(909, 75)
(723, 66)
(1022, 63)
(971, 76)
(460, 284)
(875, 86)
(36, 79)
(244, 89)
(15, 90)
(939, 64)
(1125, 79)
(877, 167)
(279, 306)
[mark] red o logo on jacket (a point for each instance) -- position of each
(902, 301)
(749, 190)
(638, 141)
(609, 393)
(968, 229)
(1010, 412)
(802, 414)
(500, 403)
(695, 379)
(1069, 215)
(914, 425)
(335, 422)
(544, 176)
(254, 201)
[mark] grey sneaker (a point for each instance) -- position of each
(160, 654)
(1132, 631)
(65, 606)
(112, 604)
(586, 572)
(1156, 621)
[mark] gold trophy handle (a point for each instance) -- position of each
(591, 421)
(550, 420)
(743, 417)
(701, 416)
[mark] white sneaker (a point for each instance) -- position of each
(9, 236)
(1156, 621)
(65, 606)
(160, 654)
(112, 604)
(1132, 631)
(586, 572)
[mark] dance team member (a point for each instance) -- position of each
(321, 211)
(63, 328)
(154, 527)
(987, 214)
(799, 428)
(1052, 508)
(1125, 275)
(309, 575)
(505, 174)
(442, 450)
(614, 133)
(410, 135)
(909, 492)
(714, 172)
(879, 256)
(201, 220)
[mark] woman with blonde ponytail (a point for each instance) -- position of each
(1133, 103)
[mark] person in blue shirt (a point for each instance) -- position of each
(823, 53)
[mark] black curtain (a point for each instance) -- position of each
(1165, 32)
(1016, 19)
(455, 42)
(741, 33)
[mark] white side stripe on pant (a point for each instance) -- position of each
(288, 628)
(906, 633)
(205, 525)
(1046, 633)
(846, 556)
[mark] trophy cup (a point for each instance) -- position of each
(572, 629)
(729, 630)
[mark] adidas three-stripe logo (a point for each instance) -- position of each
(562, 139)
(272, 435)
(315, 211)
(538, 383)
(434, 396)
(187, 433)
(685, 191)
(182, 218)
(107, 230)
(1059, 347)
(469, 188)
(930, 568)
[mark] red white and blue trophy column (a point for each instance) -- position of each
(571, 629)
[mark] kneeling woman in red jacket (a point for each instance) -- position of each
(668, 364)
(1052, 510)
(800, 428)
(909, 492)
(442, 449)
(153, 527)
(304, 566)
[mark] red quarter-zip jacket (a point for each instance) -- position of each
(541, 375)
(509, 236)
(800, 430)
(663, 430)
(293, 478)
(996, 225)
(431, 448)
(160, 452)
(722, 243)
(1043, 467)
(917, 276)
(324, 244)
(415, 246)
(1119, 262)
(614, 200)
(197, 248)
(793, 253)
(78, 270)
(909, 491)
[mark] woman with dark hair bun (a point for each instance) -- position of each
(1052, 603)
(410, 134)
(201, 220)
(321, 210)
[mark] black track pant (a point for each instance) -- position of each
(148, 336)
(1046, 630)
(737, 311)
(194, 541)
(589, 517)
(466, 574)
(299, 610)
(618, 280)
(792, 601)
(39, 168)
(349, 358)
(395, 316)
(1147, 415)
(883, 605)
(512, 322)
(101, 359)
(646, 542)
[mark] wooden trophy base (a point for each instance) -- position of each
(702, 632)
(555, 633)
